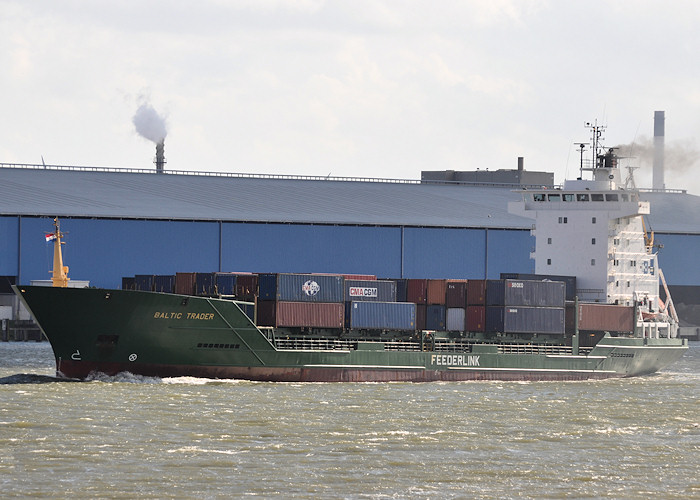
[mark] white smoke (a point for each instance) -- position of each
(149, 123)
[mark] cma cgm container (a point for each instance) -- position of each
(435, 293)
(600, 317)
(456, 294)
(164, 283)
(525, 293)
(185, 283)
(569, 281)
(300, 314)
(377, 291)
(435, 317)
(455, 319)
(301, 287)
(476, 292)
(381, 315)
(522, 319)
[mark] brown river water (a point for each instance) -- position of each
(138, 437)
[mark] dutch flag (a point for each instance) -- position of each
(50, 237)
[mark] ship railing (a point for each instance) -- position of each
(452, 346)
(311, 344)
(553, 350)
(401, 346)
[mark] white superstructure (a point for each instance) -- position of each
(594, 230)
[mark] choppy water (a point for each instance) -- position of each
(136, 437)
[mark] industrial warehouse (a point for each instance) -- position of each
(447, 225)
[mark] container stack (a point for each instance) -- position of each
(521, 306)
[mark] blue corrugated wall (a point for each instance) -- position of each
(103, 251)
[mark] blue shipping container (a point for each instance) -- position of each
(381, 315)
(164, 283)
(204, 283)
(143, 282)
(520, 319)
(309, 288)
(370, 290)
(435, 315)
(225, 283)
(267, 286)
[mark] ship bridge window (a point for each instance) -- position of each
(625, 197)
(611, 197)
(538, 197)
(582, 197)
(597, 197)
(568, 197)
(554, 197)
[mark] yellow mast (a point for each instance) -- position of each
(59, 275)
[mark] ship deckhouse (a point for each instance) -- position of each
(594, 230)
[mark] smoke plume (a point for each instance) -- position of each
(679, 156)
(149, 123)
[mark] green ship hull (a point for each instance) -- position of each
(167, 335)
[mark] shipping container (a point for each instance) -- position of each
(456, 293)
(310, 288)
(456, 319)
(436, 291)
(360, 277)
(205, 284)
(569, 281)
(144, 282)
(381, 315)
(435, 317)
(420, 316)
(416, 291)
(164, 283)
(267, 286)
(522, 319)
(128, 283)
(246, 287)
(600, 317)
(376, 291)
(525, 293)
(300, 314)
(225, 283)
(185, 283)
(476, 318)
(476, 292)
(401, 288)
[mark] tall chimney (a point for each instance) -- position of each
(160, 157)
(658, 168)
(521, 163)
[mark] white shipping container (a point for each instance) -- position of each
(456, 319)
(5, 312)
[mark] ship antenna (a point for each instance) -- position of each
(582, 147)
(596, 137)
(59, 274)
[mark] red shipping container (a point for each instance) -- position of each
(476, 292)
(476, 318)
(456, 293)
(421, 313)
(417, 291)
(185, 283)
(436, 292)
(605, 317)
(302, 314)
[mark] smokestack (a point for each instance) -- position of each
(160, 157)
(658, 168)
(521, 163)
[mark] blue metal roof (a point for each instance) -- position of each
(121, 193)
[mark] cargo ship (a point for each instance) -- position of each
(591, 310)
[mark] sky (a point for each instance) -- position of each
(362, 88)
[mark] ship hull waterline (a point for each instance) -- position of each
(167, 335)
